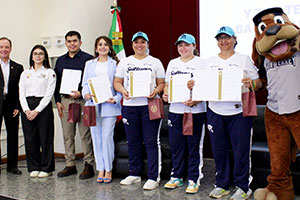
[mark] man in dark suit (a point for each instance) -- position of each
(9, 103)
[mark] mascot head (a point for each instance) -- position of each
(276, 37)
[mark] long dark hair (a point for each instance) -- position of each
(111, 52)
(46, 63)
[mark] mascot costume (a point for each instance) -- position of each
(276, 54)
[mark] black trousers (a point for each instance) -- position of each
(12, 129)
(39, 138)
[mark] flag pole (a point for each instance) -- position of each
(115, 3)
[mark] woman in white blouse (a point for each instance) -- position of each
(37, 86)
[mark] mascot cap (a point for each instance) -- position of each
(140, 34)
(275, 10)
(226, 30)
(187, 38)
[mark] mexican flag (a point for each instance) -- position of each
(116, 32)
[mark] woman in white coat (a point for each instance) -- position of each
(104, 64)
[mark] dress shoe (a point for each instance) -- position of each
(88, 172)
(14, 171)
(67, 171)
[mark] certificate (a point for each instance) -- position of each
(70, 81)
(178, 90)
(217, 85)
(100, 88)
(139, 83)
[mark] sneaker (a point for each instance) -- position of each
(192, 188)
(67, 171)
(130, 179)
(150, 185)
(88, 172)
(218, 192)
(174, 183)
(44, 174)
(34, 174)
(239, 194)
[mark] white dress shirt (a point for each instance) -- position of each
(5, 71)
(40, 83)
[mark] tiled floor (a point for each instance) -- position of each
(23, 187)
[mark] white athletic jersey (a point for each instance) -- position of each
(175, 68)
(284, 85)
(237, 60)
(132, 64)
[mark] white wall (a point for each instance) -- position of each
(25, 22)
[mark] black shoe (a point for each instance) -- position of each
(67, 171)
(88, 172)
(14, 171)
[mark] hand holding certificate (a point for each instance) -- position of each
(217, 85)
(100, 88)
(139, 83)
(70, 81)
(178, 91)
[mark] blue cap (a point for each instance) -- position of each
(140, 34)
(226, 30)
(187, 38)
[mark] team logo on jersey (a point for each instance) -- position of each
(133, 67)
(281, 63)
(210, 128)
(178, 72)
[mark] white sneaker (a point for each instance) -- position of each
(44, 174)
(150, 185)
(34, 174)
(130, 180)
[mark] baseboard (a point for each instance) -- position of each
(21, 157)
(62, 155)
(56, 155)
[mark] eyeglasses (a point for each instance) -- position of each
(38, 54)
(225, 37)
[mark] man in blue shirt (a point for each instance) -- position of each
(74, 59)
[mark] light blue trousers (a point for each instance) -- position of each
(103, 142)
